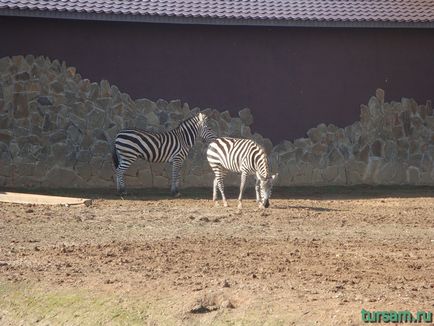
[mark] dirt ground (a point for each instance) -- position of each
(317, 256)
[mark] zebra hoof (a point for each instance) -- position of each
(225, 204)
(240, 206)
(176, 194)
(122, 193)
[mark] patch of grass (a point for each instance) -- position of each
(71, 306)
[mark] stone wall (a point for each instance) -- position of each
(393, 143)
(56, 130)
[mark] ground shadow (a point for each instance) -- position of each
(307, 192)
(310, 208)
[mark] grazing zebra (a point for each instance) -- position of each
(243, 156)
(172, 146)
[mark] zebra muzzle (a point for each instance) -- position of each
(266, 203)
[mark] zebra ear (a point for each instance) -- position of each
(203, 118)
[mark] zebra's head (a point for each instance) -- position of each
(206, 133)
(266, 188)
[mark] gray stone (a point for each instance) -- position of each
(22, 76)
(57, 136)
(365, 115)
(391, 173)
(246, 132)
(163, 117)
(332, 128)
(59, 151)
(5, 166)
(160, 182)
(5, 136)
(304, 174)
(95, 118)
(375, 107)
(246, 116)
(5, 63)
(99, 134)
(42, 167)
(87, 140)
(315, 134)
(302, 142)
(413, 175)
(50, 116)
(335, 156)
(175, 105)
(74, 134)
(30, 139)
(377, 148)
(84, 156)
(330, 173)
(363, 154)
(56, 87)
(355, 172)
(24, 169)
(78, 122)
(65, 178)
(379, 93)
(162, 104)
(101, 148)
(103, 103)
(146, 106)
(106, 171)
(21, 109)
(47, 124)
(94, 91)
(390, 150)
(105, 88)
(235, 127)
(373, 170)
(284, 147)
(141, 123)
(426, 163)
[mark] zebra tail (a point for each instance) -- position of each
(115, 157)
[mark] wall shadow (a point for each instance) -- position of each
(307, 192)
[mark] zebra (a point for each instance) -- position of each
(172, 146)
(243, 156)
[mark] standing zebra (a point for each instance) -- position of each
(243, 156)
(172, 146)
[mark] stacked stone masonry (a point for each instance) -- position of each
(56, 131)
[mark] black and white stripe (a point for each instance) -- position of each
(243, 156)
(172, 146)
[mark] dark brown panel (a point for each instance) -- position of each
(291, 78)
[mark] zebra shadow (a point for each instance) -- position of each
(310, 208)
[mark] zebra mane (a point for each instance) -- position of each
(262, 148)
(186, 121)
(265, 156)
(194, 118)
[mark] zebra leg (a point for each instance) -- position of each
(221, 187)
(214, 191)
(258, 190)
(176, 168)
(218, 183)
(120, 170)
(242, 185)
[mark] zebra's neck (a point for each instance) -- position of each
(262, 167)
(188, 130)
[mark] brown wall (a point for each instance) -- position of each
(291, 78)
